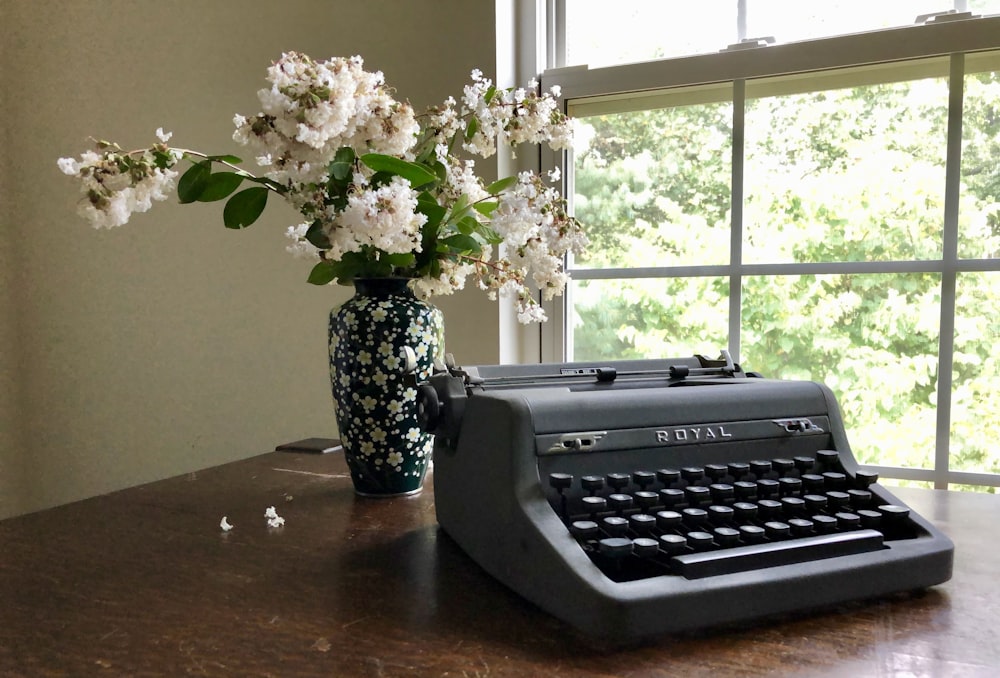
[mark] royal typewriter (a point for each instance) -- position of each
(637, 498)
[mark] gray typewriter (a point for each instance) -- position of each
(638, 498)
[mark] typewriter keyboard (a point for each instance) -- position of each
(702, 521)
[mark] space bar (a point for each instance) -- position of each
(772, 554)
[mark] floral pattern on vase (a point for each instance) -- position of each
(375, 397)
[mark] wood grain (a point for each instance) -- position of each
(144, 582)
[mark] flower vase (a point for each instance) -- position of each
(383, 341)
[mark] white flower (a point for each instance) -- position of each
(225, 525)
(273, 519)
(395, 458)
(163, 136)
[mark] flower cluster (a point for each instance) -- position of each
(383, 191)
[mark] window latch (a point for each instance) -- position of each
(750, 43)
(942, 17)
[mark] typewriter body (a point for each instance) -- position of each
(637, 498)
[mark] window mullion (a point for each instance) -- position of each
(946, 347)
(736, 232)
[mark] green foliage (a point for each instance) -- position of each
(851, 175)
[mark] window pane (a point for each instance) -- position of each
(599, 34)
(975, 427)
(873, 339)
(790, 20)
(653, 187)
(846, 175)
(648, 318)
(979, 216)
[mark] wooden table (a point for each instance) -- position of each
(144, 582)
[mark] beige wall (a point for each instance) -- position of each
(172, 344)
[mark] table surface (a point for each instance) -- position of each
(144, 582)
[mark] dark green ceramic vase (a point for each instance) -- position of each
(372, 337)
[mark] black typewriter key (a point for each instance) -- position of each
(641, 523)
(790, 486)
(584, 529)
(594, 505)
(814, 502)
(870, 519)
(893, 513)
(672, 544)
(720, 514)
(804, 464)
(592, 484)
(767, 488)
(715, 472)
(692, 474)
(745, 489)
(721, 492)
(697, 495)
(668, 520)
(830, 459)
(768, 509)
(560, 481)
(671, 497)
(838, 500)
(694, 516)
(646, 499)
(824, 524)
(760, 468)
(860, 498)
(644, 547)
(668, 476)
(847, 521)
(751, 534)
(793, 506)
(812, 482)
(700, 541)
(643, 479)
(615, 547)
(620, 502)
(782, 466)
(775, 530)
(617, 481)
(614, 526)
(726, 536)
(737, 469)
(744, 511)
(865, 479)
(834, 480)
(801, 527)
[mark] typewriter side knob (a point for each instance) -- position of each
(440, 406)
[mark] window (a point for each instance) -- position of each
(826, 209)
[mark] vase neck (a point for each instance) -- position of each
(381, 287)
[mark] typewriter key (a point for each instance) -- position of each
(834, 480)
(695, 516)
(745, 511)
(726, 536)
(720, 515)
(865, 479)
(594, 505)
(767, 488)
(668, 476)
(672, 544)
(614, 526)
(721, 492)
(893, 512)
(643, 479)
(641, 523)
(769, 508)
(745, 490)
(870, 519)
(615, 547)
(829, 458)
(824, 524)
(838, 500)
(617, 481)
(672, 497)
(644, 547)
(814, 502)
(697, 495)
(782, 466)
(751, 534)
(790, 486)
(700, 541)
(812, 482)
(560, 481)
(737, 469)
(760, 468)
(592, 484)
(801, 527)
(775, 529)
(584, 529)
(646, 499)
(692, 474)
(668, 520)
(715, 472)
(847, 521)
(803, 464)
(793, 506)
(619, 502)
(859, 498)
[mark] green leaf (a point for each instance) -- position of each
(342, 166)
(490, 93)
(486, 208)
(317, 237)
(245, 207)
(417, 175)
(471, 128)
(322, 273)
(467, 225)
(501, 185)
(462, 243)
(219, 185)
(429, 207)
(193, 181)
(231, 159)
(399, 259)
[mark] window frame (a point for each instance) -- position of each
(627, 84)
